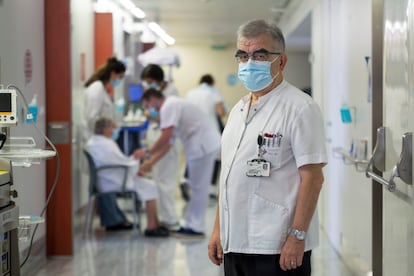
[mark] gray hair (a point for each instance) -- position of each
(101, 124)
(254, 28)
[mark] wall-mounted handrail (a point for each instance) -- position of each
(390, 184)
(349, 159)
(403, 168)
(379, 154)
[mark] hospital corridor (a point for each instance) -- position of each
(206, 137)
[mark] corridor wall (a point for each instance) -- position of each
(341, 41)
(22, 63)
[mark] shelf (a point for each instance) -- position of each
(22, 152)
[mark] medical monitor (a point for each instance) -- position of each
(135, 92)
(8, 110)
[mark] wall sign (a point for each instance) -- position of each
(28, 66)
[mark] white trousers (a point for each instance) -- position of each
(199, 178)
(165, 175)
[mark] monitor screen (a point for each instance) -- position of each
(5, 102)
(135, 92)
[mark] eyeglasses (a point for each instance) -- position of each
(260, 55)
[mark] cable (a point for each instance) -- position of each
(55, 180)
(3, 138)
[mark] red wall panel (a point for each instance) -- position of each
(58, 109)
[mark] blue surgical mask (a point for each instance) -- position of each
(153, 113)
(115, 134)
(255, 74)
(154, 86)
(115, 82)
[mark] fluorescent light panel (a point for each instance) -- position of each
(130, 6)
(161, 33)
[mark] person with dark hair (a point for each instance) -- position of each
(97, 99)
(165, 171)
(153, 77)
(273, 152)
(207, 79)
(98, 103)
(201, 142)
(104, 151)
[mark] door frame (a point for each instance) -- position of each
(377, 121)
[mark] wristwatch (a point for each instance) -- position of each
(298, 234)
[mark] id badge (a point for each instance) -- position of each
(258, 167)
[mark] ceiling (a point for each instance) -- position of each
(211, 22)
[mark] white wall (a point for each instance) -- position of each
(21, 29)
(341, 39)
(82, 43)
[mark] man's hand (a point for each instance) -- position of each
(292, 253)
(139, 154)
(215, 251)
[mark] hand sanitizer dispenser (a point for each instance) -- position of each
(32, 112)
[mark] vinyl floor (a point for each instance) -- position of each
(130, 253)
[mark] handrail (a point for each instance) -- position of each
(349, 159)
(402, 169)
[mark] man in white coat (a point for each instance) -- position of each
(105, 151)
(273, 152)
(201, 141)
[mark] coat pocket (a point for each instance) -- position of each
(269, 223)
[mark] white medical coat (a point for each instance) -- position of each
(197, 133)
(206, 97)
(97, 104)
(256, 212)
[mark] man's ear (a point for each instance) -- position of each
(283, 61)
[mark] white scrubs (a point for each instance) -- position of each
(97, 104)
(201, 141)
(206, 97)
(105, 151)
(165, 171)
(256, 212)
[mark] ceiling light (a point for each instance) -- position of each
(104, 6)
(132, 8)
(138, 12)
(161, 33)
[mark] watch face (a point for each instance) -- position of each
(300, 235)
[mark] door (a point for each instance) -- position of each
(398, 117)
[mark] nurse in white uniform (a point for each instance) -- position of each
(165, 171)
(201, 141)
(99, 103)
(208, 99)
(97, 99)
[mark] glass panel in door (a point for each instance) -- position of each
(398, 116)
